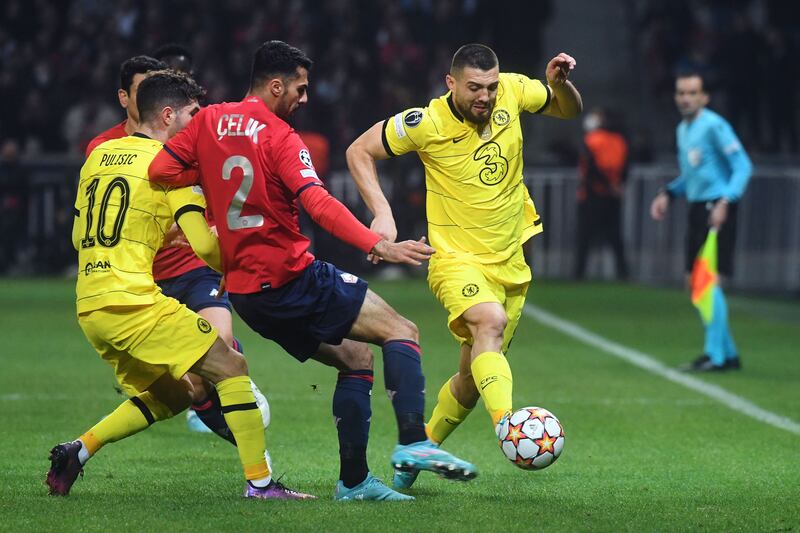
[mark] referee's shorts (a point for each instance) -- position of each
(699, 213)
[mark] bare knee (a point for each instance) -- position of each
(491, 324)
(237, 364)
(405, 329)
(221, 362)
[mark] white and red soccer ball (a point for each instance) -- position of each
(532, 438)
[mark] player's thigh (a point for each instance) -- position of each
(104, 331)
(175, 394)
(219, 317)
(177, 337)
(460, 286)
(198, 290)
(514, 276)
(514, 306)
(165, 334)
(378, 322)
(349, 355)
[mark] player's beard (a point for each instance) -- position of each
(283, 109)
(480, 120)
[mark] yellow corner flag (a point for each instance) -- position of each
(704, 277)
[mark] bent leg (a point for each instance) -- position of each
(490, 370)
(227, 370)
(456, 399)
(351, 405)
(165, 398)
(379, 323)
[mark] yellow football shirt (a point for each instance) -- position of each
(477, 203)
(121, 219)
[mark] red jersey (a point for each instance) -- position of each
(114, 132)
(171, 261)
(252, 167)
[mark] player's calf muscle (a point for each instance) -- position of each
(175, 394)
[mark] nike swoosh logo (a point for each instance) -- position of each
(460, 139)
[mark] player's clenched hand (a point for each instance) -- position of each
(409, 252)
(384, 226)
(558, 69)
(175, 237)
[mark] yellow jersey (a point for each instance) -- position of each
(121, 220)
(477, 203)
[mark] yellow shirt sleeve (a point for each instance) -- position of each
(204, 243)
(532, 95)
(188, 206)
(407, 131)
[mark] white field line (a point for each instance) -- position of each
(652, 365)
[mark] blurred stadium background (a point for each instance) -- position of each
(644, 452)
(59, 69)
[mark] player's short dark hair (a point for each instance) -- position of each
(277, 59)
(474, 55)
(692, 73)
(165, 88)
(176, 56)
(137, 65)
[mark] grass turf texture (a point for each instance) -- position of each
(641, 453)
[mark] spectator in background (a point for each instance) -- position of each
(715, 170)
(14, 204)
(603, 170)
(176, 56)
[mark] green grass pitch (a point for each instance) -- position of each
(641, 454)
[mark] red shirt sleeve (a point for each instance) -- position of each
(167, 170)
(176, 163)
(291, 162)
(336, 219)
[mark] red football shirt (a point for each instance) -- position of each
(170, 261)
(114, 132)
(252, 167)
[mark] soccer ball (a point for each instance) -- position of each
(532, 438)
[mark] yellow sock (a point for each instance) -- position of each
(243, 417)
(492, 376)
(446, 416)
(132, 416)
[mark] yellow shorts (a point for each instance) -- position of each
(143, 343)
(460, 284)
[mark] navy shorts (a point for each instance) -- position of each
(697, 231)
(196, 289)
(319, 306)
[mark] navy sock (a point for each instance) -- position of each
(351, 413)
(405, 384)
(210, 413)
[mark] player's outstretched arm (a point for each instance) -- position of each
(408, 252)
(336, 219)
(361, 157)
(566, 102)
(202, 239)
